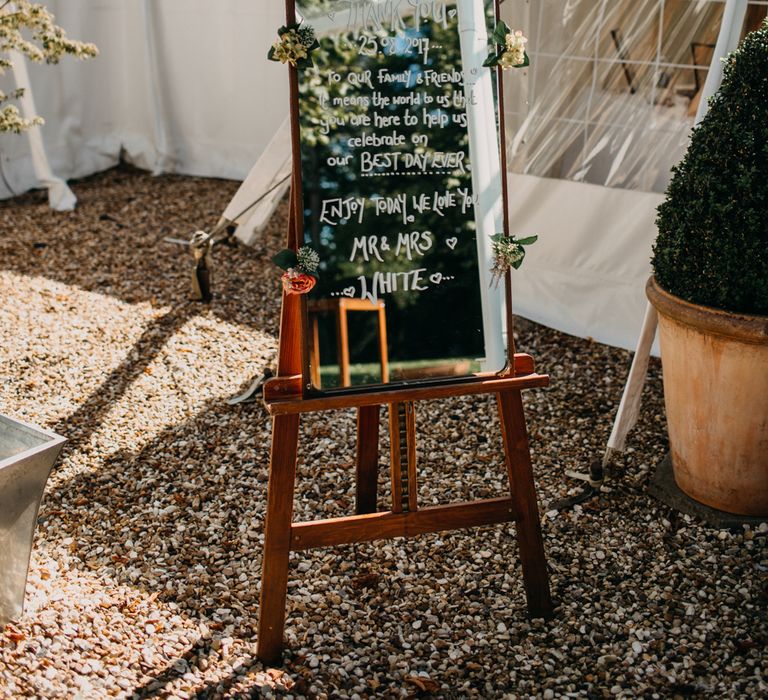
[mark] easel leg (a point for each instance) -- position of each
(277, 538)
(521, 484)
(367, 464)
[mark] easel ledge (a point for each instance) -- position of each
(282, 395)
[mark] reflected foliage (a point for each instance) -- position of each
(445, 319)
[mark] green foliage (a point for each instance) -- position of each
(29, 28)
(285, 259)
(408, 322)
(294, 46)
(304, 260)
(509, 251)
(712, 247)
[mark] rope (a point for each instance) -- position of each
(199, 241)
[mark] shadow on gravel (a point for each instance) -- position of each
(175, 518)
(113, 243)
(80, 425)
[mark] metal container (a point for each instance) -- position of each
(27, 455)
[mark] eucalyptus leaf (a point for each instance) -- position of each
(285, 259)
(500, 33)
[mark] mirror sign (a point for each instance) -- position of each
(402, 191)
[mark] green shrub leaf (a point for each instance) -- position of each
(712, 245)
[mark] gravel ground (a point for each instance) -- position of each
(145, 574)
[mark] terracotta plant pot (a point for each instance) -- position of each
(716, 395)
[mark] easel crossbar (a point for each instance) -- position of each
(376, 526)
(335, 402)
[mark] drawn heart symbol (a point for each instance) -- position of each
(451, 242)
(436, 277)
(349, 292)
(451, 13)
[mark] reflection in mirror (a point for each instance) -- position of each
(401, 190)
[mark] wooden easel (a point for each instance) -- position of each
(286, 402)
(288, 395)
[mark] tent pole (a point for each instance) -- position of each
(727, 40)
(626, 416)
(629, 408)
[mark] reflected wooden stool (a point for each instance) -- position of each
(340, 307)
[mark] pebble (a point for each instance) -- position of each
(147, 561)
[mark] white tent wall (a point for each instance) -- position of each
(591, 138)
(179, 85)
(60, 196)
(587, 272)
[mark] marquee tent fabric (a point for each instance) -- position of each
(179, 86)
(593, 126)
(272, 167)
(629, 407)
(60, 196)
(591, 149)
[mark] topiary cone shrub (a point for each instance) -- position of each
(712, 246)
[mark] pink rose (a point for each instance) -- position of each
(298, 282)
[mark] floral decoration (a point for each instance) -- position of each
(295, 45)
(509, 48)
(300, 267)
(508, 252)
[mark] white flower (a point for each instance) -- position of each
(289, 48)
(514, 52)
(29, 28)
(307, 259)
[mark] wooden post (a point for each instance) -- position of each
(410, 443)
(395, 459)
(367, 463)
(520, 471)
(315, 350)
